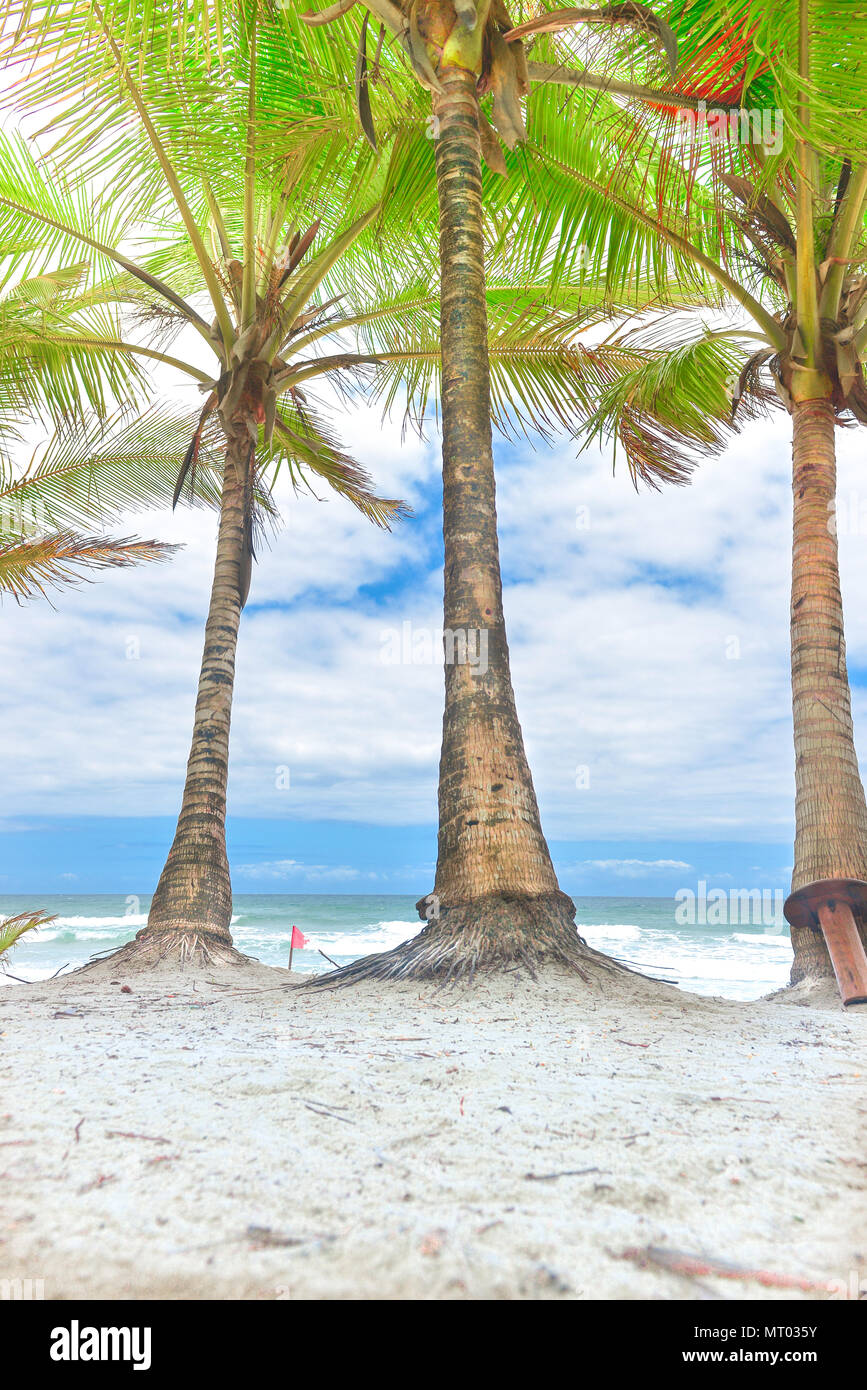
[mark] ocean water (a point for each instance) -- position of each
(741, 961)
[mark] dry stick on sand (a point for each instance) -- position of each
(125, 1134)
(695, 1266)
(567, 1173)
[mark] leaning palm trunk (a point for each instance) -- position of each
(830, 809)
(496, 898)
(192, 906)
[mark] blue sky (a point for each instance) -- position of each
(649, 642)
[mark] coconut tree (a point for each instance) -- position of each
(496, 897)
(764, 188)
(237, 250)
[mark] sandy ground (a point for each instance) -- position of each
(224, 1135)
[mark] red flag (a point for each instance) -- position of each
(299, 940)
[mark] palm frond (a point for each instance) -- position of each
(13, 928)
(303, 445)
(28, 568)
(95, 470)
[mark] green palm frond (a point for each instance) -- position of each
(13, 928)
(670, 407)
(304, 446)
(208, 150)
(59, 348)
(95, 471)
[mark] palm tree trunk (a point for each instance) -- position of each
(496, 898)
(494, 874)
(490, 836)
(192, 906)
(830, 809)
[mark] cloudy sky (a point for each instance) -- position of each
(649, 643)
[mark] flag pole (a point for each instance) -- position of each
(291, 946)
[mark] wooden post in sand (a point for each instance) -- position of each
(829, 905)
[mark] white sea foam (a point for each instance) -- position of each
(707, 967)
(614, 931)
(782, 943)
(29, 973)
(91, 928)
(128, 920)
(381, 937)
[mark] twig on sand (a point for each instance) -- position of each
(125, 1134)
(270, 989)
(323, 1110)
(697, 1266)
(265, 1236)
(98, 1182)
(566, 1173)
(744, 1100)
(78, 1130)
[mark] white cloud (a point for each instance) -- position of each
(293, 868)
(633, 868)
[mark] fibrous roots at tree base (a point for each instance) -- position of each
(485, 934)
(183, 946)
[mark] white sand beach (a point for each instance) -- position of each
(237, 1135)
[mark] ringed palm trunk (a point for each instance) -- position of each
(496, 898)
(192, 906)
(830, 809)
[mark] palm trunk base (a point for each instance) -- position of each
(181, 946)
(487, 934)
(812, 960)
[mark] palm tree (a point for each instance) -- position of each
(496, 898)
(782, 231)
(261, 285)
(223, 193)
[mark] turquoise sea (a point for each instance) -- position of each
(741, 961)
